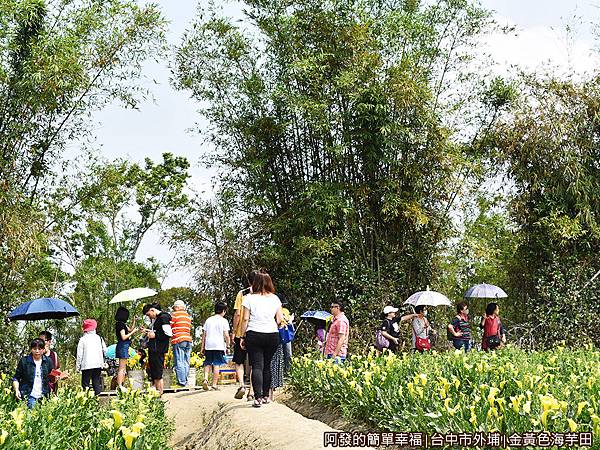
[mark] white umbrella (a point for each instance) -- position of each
(132, 294)
(429, 298)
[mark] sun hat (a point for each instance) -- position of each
(388, 309)
(89, 325)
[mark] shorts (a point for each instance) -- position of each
(214, 358)
(122, 351)
(156, 363)
(239, 354)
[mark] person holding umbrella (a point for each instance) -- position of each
(31, 381)
(56, 375)
(421, 329)
(494, 335)
(124, 334)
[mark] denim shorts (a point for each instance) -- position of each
(214, 358)
(122, 351)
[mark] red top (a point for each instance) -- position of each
(491, 327)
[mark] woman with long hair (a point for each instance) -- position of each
(262, 317)
(124, 334)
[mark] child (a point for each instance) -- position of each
(31, 381)
(215, 341)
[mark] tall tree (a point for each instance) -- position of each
(333, 127)
(549, 146)
(59, 61)
(100, 216)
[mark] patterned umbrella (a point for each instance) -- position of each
(316, 317)
(429, 298)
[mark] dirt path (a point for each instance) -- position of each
(215, 420)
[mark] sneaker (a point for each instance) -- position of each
(214, 388)
(249, 397)
(205, 385)
(240, 393)
(256, 403)
(265, 400)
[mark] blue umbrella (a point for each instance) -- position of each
(485, 291)
(316, 316)
(43, 308)
(111, 352)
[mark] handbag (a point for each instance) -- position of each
(421, 344)
(381, 341)
(493, 341)
(287, 333)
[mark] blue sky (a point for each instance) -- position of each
(164, 125)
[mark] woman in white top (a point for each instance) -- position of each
(90, 356)
(262, 316)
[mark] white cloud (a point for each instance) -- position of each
(539, 48)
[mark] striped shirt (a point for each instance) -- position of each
(181, 324)
(460, 324)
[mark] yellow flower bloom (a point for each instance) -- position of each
(572, 425)
(580, 407)
(549, 403)
(527, 407)
(137, 427)
(544, 417)
(129, 436)
(516, 404)
(492, 395)
(3, 436)
(118, 418)
(18, 416)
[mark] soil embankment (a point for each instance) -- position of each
(215, 420)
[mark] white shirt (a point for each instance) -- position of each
(36, 392)
(262, 312)
(215, 329)
(90, 351)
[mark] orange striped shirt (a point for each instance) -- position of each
(181, 324)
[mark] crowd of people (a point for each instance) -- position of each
(259, 348)
(458, 330)
(258, 317)
(37, 374)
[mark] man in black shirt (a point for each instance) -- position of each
(158, 334)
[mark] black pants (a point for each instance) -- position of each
(93, 375)
(261, 348)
